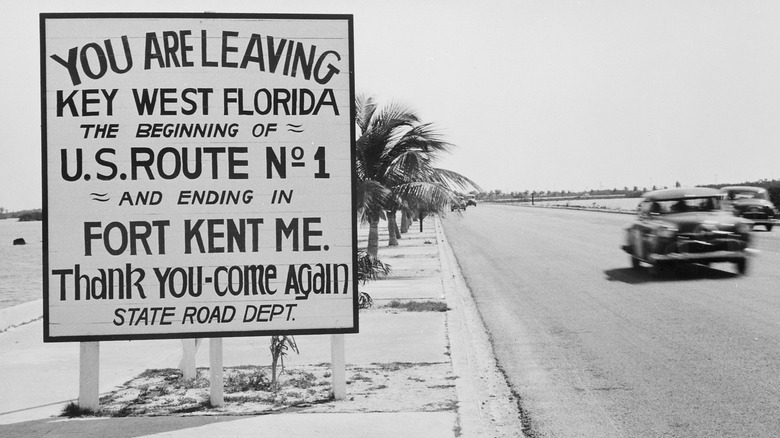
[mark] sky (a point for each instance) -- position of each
(535, 95)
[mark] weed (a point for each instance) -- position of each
(280, 399)
(360, 377)
(393, 366)
(243, 398)
(73, 410)
(303, 381)
(365, 301)
(254, 380)
(156, 372)
(279, 346)
(197, 382)
(370, 268)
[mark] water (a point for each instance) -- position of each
(20, 265)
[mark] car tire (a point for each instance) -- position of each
(769, 227)
(635, 262)
(741, 266)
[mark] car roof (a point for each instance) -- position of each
(681, 193)
(745, 188)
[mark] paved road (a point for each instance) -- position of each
(596, 349)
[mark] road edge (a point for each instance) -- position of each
(486, 404)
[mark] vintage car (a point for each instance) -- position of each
(471, 200)
(687, 225)
(457, 204)
(751, 203)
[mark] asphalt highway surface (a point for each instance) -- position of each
(594, 348)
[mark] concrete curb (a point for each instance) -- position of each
(486, 404)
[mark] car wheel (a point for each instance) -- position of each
(635, 263)
(741, 266)
(769, 227)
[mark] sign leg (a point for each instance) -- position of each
(89, 376)
(338, 362)
(187, 365)
(216, 374)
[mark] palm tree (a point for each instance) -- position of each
(395, 166)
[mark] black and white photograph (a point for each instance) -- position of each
(455, 219)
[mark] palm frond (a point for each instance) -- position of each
(365, 106)
(455, 179)
(424, 195)
(395, 162)
(372, 198)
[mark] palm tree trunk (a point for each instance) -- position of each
(406, 221)
(373, 237)
(392, 228)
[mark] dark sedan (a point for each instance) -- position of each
(687, 226)
(751, 203)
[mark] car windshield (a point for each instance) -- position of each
(736, 194)
(670, 206)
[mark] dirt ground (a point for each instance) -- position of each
(389, 387)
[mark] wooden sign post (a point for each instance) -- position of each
(89, 375)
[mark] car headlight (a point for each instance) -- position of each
(742, 228)
(667, 232)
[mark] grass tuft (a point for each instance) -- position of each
(418, 306)
(73, 410)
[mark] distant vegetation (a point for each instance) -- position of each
(772, 186)
(22, 215)
(528, 195)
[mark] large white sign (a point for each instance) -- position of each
(198, 175)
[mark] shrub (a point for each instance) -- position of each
(370, 268)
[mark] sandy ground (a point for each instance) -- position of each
(375, 387)
(391, 387)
